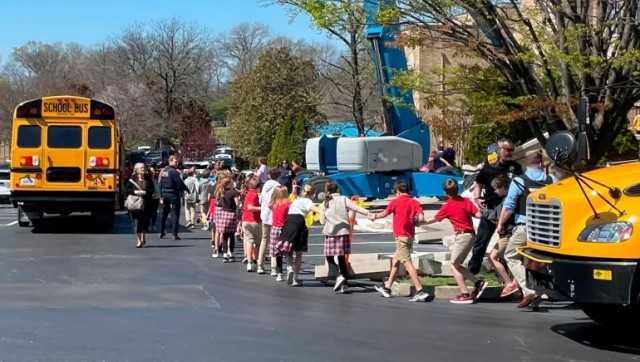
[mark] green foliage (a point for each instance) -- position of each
(218, 109)
(278, 91)
(288, 143)
(624, 147)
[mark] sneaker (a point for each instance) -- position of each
(260, 271)
(274, 274)
(465, 298)
(290, 275)
(296, 283)
(342, 289)
(176, 237)
(339, 283)
(420, 296)
(480, 287)
(249, 267)
(226, 260)
(205, 227)
(509, 289)
(215, 254)
(231, 259)
(383, 290)
(279, 277)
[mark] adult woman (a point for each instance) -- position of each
(140, 184)
(337, 230)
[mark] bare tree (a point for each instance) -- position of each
(243, 46)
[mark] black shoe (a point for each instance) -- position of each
(480, 287)
(162, 234)
(176, 237)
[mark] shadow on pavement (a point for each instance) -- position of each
(590, 334)
(85, 224)
(147, 246)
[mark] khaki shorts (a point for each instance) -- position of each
(252, 233)
(404, 245)
(462, 245)
(501, 246)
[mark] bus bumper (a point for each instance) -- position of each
(60, 202)
(584, 280)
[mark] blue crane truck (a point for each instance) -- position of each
(369, 167)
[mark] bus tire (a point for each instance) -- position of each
(103, 219)
(610, 315)
(23, 219)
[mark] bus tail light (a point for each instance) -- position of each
(98, 161)
(29, 161)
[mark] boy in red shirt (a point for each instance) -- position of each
(459, 210)
(406, 211)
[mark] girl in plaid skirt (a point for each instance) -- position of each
(337, 231)
(226, 219)
(295, 234)
(279, 209)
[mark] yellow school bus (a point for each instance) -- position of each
(66, 156)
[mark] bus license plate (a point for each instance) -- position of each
(602, 274)
(27, 181)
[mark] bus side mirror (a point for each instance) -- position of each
(561, 148)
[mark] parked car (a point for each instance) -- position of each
(5, 192)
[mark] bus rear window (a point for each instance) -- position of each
(29, 136)
(100, 138)
(64, 137)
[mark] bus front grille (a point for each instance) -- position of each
(64, 174)
(544, 222)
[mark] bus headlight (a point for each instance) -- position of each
(606, 233)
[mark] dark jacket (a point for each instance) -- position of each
(147, 185)
(171, 183)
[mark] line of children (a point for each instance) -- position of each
(288, 237)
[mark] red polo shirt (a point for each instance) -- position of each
(459, 211)
(405, 209)
(251, 198)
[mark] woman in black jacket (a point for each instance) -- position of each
(141, 184)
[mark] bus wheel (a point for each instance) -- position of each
(23, 219)
(613, 315)
(103, 219)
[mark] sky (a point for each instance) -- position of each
(91, 22)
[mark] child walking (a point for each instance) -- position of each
(279, 209)
(459, 211)
(295, 235)
(500, 185)
(336, 218)
(406, 211)
(251, 223)
(226, 220)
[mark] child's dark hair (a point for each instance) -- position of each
(450, 187)
(402, 187)
(499, 182)
(329, 188)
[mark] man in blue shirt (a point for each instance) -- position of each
(515, 203)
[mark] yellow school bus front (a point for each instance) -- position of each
(64, 156)
(584, 236)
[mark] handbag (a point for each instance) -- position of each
(134, 202)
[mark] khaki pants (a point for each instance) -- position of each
(251, 235)
(203, 214)
(190, 212)
(514, 260)
(264, 245)
(404, 245)
(460, 249)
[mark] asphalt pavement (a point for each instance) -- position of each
(70, 293)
